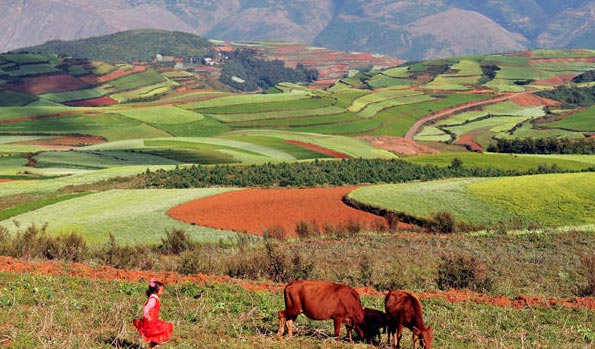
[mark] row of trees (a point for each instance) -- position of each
(245, 71)
(571, 97)
(315, 173)
(544, 146)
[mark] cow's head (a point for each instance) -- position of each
(350, 324)
(426, 336)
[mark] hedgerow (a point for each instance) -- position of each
(316, 173)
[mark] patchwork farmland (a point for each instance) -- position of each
(376, 175)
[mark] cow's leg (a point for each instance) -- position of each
(349, 327)
(390, 335)
(338, 321)
(282, 319)
(289, 324)
(414, 341)
(399, 335)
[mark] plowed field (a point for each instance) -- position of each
(256, 210)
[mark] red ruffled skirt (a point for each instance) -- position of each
(155, 331)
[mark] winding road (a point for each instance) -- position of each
(419, 123)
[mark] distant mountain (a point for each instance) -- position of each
(409, 29)
(128, 46)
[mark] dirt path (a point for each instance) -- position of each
(10, 265)
(419, 123)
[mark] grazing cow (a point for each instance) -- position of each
(403, 309)
(374, 321)
(320, 300)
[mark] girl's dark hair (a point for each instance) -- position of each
(154, 287)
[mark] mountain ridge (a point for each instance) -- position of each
(404, 29)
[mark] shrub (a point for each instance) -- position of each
(27, 243)
(176, 241)
(73, 247)
(307, 230)
(442, 222)
(275, 232)
(114, 255)
(5, 241)
(392, 221)
(588, 267)
(460, 272)
(199, 260)
(366, 275)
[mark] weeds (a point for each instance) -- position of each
(460, 271)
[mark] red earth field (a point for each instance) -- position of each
(93, 102)
(468, 141)
(256, 210)
(320, 149)
(398, 145)
(66, 142)
(49, 84)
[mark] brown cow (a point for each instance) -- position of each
(321, 300)
(374, 321)
(403, 309)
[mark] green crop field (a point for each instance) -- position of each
(10, 98)
(7, 113)
(98, 160)
(111, 126)
(161, 115)
(274, 114)
(75, 95)
(487, 201)
(300, 121)
(77, 178)
(583, 121)
(135, 81)
(512, 162)
(132, 216)
(346, 145)
(532, 197)
(144, 92)
(252, 99)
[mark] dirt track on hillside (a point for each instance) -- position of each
(10, 265)
(419, 123)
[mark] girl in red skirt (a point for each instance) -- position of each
(153, 330)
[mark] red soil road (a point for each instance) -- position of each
(319, 149)
(255, 210)
(78, 270)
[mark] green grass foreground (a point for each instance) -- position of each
(39, 311)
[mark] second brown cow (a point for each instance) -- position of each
(321, 300)
(403, 309)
